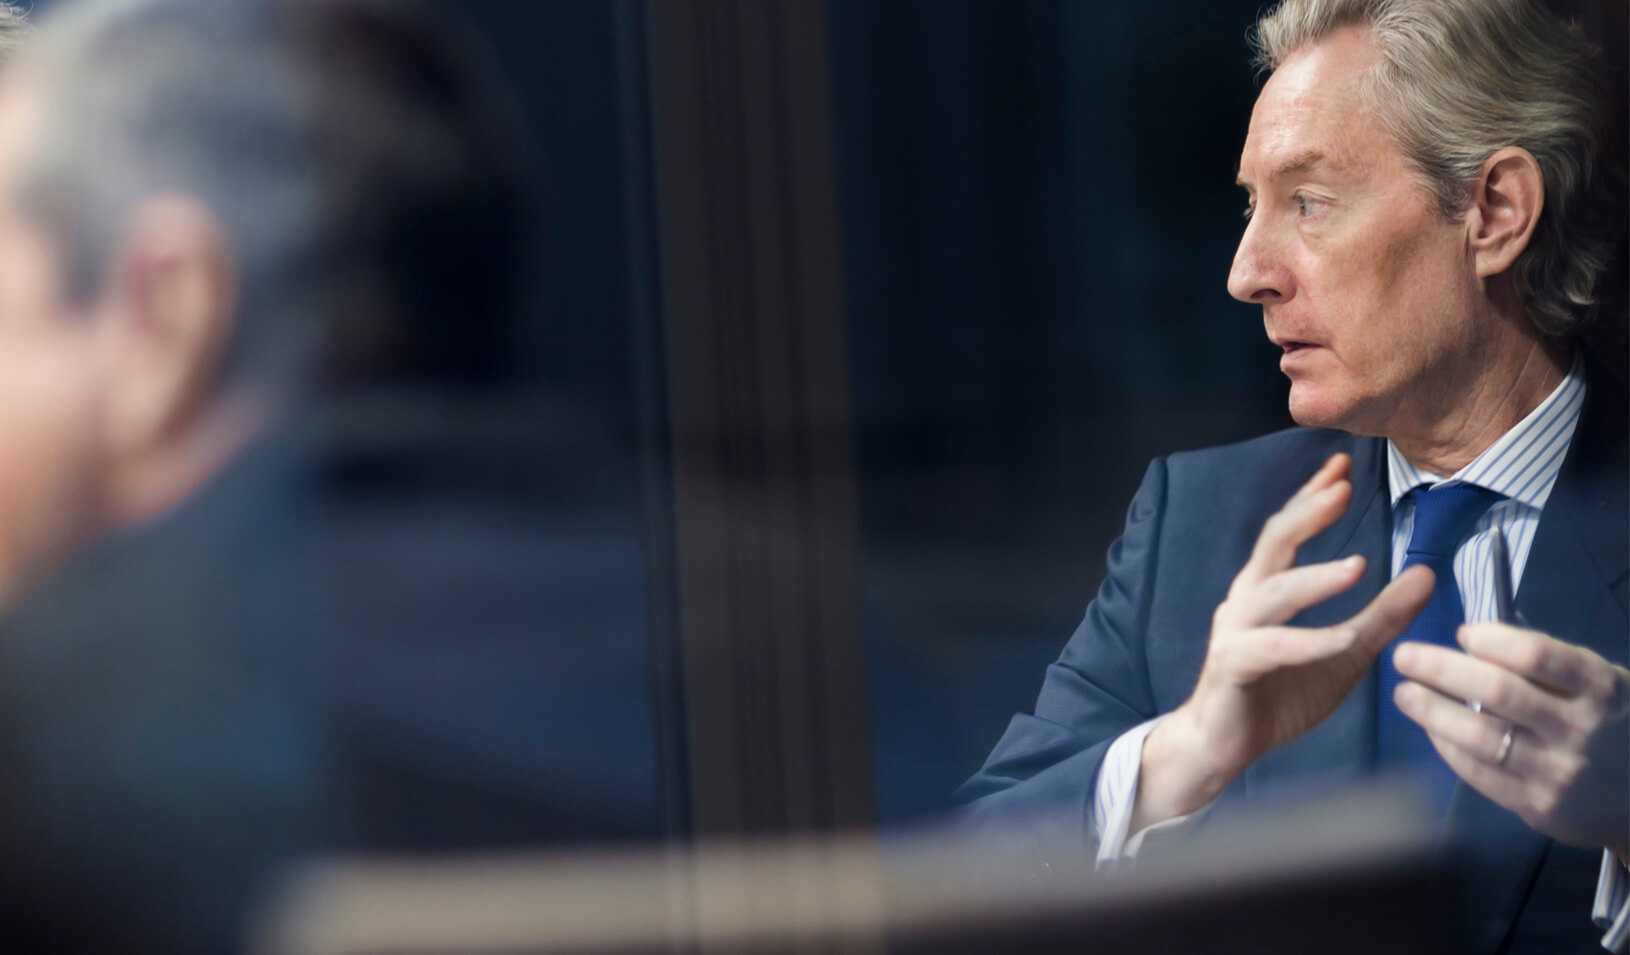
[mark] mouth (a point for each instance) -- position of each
(1298, 354)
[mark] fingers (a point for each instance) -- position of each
(1289, 592)
(1525, 782)
(1478, 735)
(1380, 623)
(1272, 649)
(1319, 504)
(1334, 469)
(1533, 655)
(1492, 781)
(1294, 647)
(1458, 676)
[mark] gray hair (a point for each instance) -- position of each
(363, 163)
(14, 29)
(186, 97)
(1458, 80)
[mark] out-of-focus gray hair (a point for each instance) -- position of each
(366, 168)
(1458, 80)
(14, 30)
(188, 97)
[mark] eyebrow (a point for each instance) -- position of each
(1304, 161)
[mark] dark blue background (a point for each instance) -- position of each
(1039, 214)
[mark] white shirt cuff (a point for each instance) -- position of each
(1612, 909)
(1117, 793)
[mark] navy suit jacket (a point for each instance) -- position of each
(332, 647)
(1138, 652)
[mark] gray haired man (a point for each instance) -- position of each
(1426, 192)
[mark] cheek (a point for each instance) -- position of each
(1398, 301)
(1351, 299)
(47, 423)
(31, 287)
(1424, 262)
(47, 410)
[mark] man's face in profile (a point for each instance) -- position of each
(1368, 291)
(48, 369)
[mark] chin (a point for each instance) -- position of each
(1314, 407)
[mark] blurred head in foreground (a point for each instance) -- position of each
(210, 207)
(212, 212)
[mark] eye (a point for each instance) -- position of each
(1307, 205)
(1250, 210)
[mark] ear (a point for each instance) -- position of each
(168, 320)
(1506, 202)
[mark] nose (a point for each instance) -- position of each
(1259, 275)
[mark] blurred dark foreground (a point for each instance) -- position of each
(1366, 878)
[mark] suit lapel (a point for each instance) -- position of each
(1573, 587)
(1342, 747)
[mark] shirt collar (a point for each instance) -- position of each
(1523, 464)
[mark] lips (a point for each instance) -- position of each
(1299, 353)
(1293, 344)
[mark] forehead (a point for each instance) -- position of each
(1312, 111)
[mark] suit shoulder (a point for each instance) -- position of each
(1275, 451)
(1267, 469)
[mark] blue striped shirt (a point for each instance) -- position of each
(1522, 466)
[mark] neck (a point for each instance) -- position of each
(166, 475)
(1464, 418)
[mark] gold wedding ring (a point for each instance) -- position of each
(1505, 746)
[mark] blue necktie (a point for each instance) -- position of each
(1444, 518)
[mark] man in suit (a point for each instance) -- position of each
(1425, 188)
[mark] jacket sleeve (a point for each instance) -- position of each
(1046, 764)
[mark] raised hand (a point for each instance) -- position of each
(1264, 683)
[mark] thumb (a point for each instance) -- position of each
(1392, 610)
